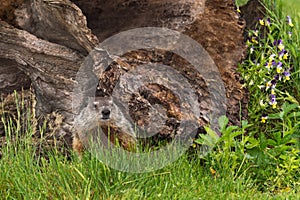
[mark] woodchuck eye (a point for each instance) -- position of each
(105, 113)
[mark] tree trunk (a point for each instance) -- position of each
(46, 43)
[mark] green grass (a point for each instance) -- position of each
(241, 2)
(24, 176)
(258, 160)
(292, 7)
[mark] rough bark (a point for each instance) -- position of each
(49, 66)
(46, 41)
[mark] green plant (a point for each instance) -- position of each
(271, 72)
(229, 155)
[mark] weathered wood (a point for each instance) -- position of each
(48, 40)
(51, 68)
(219, 30)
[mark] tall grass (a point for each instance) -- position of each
(24, 176)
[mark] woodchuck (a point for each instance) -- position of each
(102, 121)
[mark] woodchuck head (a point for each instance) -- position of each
(104, 113)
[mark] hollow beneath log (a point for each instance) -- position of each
(107, 18)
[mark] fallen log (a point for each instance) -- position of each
(46, 42)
